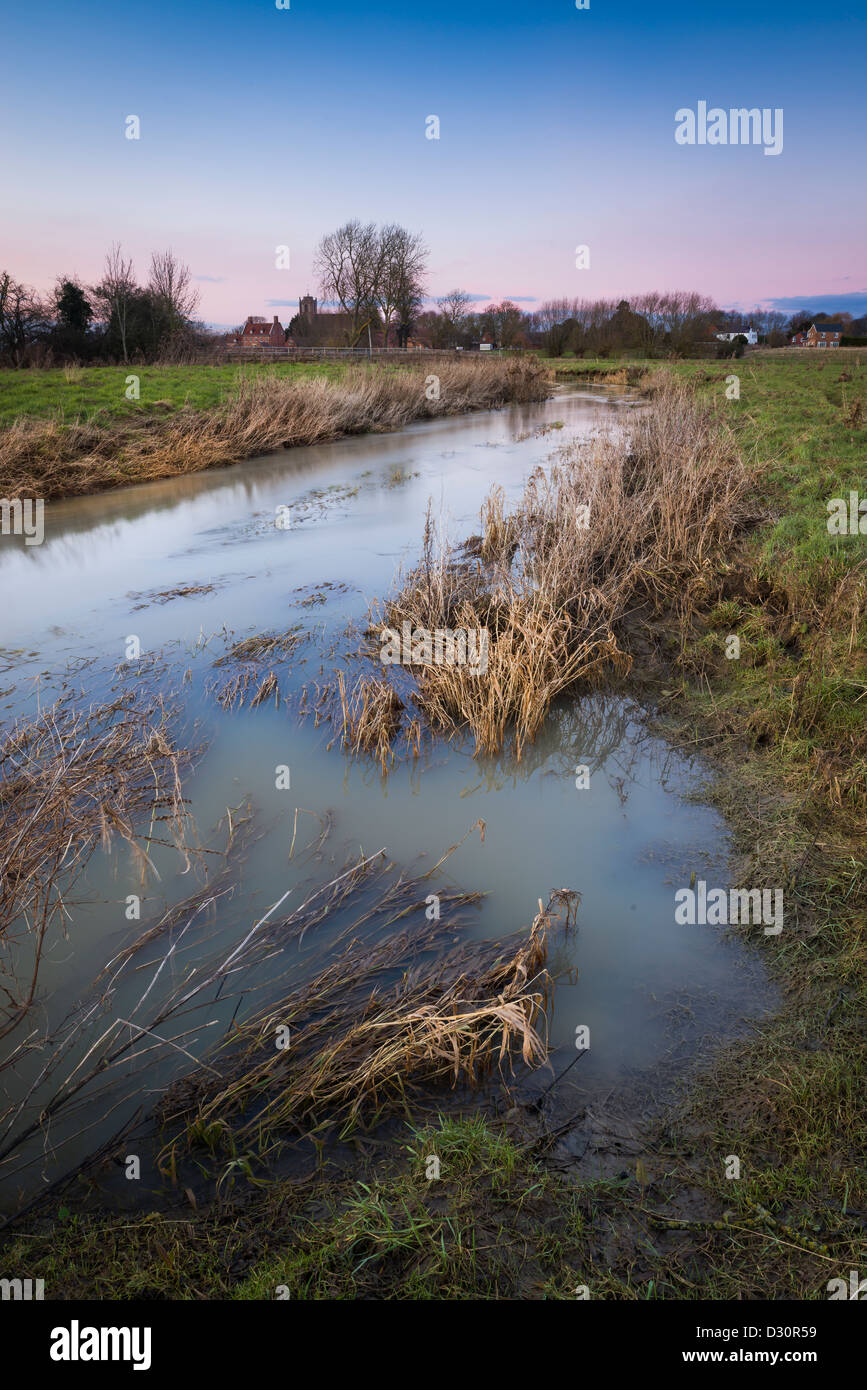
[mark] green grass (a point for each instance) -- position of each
(786, 727)
(494, 1224)
(406, 1235)
(800, 420)
(797, 420)
(82, 393)
(497, 1223)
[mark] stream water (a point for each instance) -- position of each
(648, 989)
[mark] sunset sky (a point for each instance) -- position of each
(262, 127)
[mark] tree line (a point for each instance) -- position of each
(649, 324)
(116, 319)
(374, 278)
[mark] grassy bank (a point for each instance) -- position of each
(79, 394)
(52, 457)
(786, 726)
(783, 727)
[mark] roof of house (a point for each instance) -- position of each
(827, 327)
(259, 328)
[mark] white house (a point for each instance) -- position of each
(750, 334)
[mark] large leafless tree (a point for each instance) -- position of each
(685, 315)
(554, 320)
(348, 266)
(373, 274)
(400, 290)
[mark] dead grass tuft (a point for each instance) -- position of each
(370, 717)
(635, 519)
(357, 1051)
(246, 680)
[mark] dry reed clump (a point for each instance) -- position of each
(367, 717)
(634, 519)
(499, 539)
(48, 458)
(71, 781)
(90, 1057)
(357, 1049)
(370, 716)
(262, 645)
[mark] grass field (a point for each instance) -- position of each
(784, 727)
(83, 393)
(801, 422)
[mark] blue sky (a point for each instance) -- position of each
(263, 127)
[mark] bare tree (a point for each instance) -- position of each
(769, 324)
(349, 266)
(400, 289)
(407, 307)
(554, 320)
(116, 292)
(171, 286)
(648, 306)
(21, 313)
(686, 315)
(586, 323)
(503, 322)
(410, 298)
(454, 308)
(431, 328)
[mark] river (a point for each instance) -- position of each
(647, 989)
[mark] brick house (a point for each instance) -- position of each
(799, 340)
(259, 333)
(824, 335)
